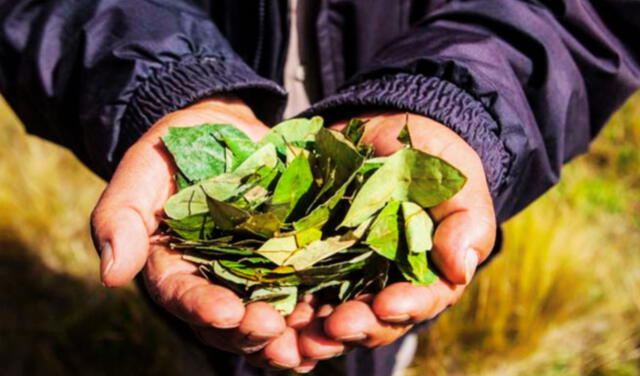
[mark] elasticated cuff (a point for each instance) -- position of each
(179, 84)
(432, 97)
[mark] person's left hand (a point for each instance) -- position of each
(464, 237)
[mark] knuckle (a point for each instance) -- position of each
(172, 291)
(96, 217)
(188, 299)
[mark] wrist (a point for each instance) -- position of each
(222, 109)
(435, 98)
(226, 103)
(383, 128)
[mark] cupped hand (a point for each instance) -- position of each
(124, 224)
(464, 237)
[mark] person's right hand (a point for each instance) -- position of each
(127, 217)
(464, 237)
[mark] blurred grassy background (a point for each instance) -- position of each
(563, 298)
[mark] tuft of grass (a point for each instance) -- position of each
(45, 198)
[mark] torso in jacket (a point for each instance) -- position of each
(341, 36)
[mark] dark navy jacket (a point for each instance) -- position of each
(527, 83)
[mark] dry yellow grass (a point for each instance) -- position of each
(55, 317)
(562, 298)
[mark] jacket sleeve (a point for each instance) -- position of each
(94, 75)
(527, 84)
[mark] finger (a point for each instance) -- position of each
(354, 321)
(173, 284)
(283, 352)
(303, 313)
(461, 241)
(404, 302)
(230, 340)
(316, 345)
(324, 311)
(306, 366)
(260, 324)
(127, 212)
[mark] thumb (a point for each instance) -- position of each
(466, 229)
(462, 240)
(127, 212)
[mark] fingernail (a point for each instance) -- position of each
(106, 260)
(470, 264)
(325, 357)
(304, 369)
(250, 348)
(259, 337)
(353, 338)
(396, 318)
(277, 364)
(226, 326)
(324, 311)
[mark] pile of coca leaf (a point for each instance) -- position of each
(306, 210)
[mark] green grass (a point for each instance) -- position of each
(563, 297)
